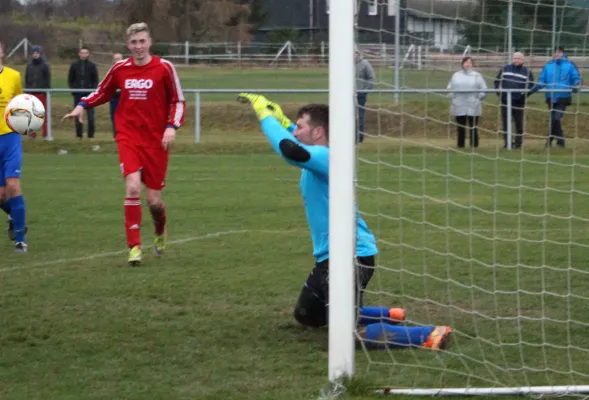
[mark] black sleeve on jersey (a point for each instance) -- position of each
(294, 151)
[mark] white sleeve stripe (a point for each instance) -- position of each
(175, 78)
(516, 75)
(103, 83)
(179, 113)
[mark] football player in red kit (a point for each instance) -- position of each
(151, 108)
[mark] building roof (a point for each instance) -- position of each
(442, 8)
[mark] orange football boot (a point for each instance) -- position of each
(439, 339)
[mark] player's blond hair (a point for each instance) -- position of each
(137, 28)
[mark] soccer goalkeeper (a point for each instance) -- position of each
(306, 145)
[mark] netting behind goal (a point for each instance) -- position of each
(492, 242)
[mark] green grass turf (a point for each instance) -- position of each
(425, 115)
(212, 319)
(462, 238)
(287, 78)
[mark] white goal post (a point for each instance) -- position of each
(491, 240)
(341, 189)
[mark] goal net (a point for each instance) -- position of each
(491, 241)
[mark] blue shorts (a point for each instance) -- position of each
(10, 157)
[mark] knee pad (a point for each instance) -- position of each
(306, 319)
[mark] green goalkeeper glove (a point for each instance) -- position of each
(264, 108)
(279, 115)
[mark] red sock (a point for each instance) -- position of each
(133, 221)
(158, 214)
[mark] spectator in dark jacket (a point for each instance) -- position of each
(38, 76)
(83, 74)
(115, 100)
(514, 76)
(365, 80)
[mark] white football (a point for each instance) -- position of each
(24, 114)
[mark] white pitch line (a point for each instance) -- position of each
(121, 252)
(526, 182)
(216, 235)
(180, 179)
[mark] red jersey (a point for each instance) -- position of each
(151, 99)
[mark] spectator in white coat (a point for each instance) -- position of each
(466, 107)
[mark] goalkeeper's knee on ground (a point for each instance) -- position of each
(309, 317)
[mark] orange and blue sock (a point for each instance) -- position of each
(391, 336)
(372, 314)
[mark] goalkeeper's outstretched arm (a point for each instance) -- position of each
(314, 158)
(279, 131)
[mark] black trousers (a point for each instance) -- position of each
(556, 114)
(462, 121)
(361, 98)
(517, 113)
(90, 119)
(113, 107)
(312, 306)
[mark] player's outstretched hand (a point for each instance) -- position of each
(258, 102)
(78, 113)
(264, 107)
(169, 138)
(279, 114)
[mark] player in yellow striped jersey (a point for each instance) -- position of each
(11, 198)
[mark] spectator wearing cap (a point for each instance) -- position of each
(38, 76)
(558, 74)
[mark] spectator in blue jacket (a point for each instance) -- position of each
(558, 74)
(514, 76)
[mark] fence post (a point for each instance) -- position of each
(186, 52)
(509, 133)
(197, 118)
(48, 118)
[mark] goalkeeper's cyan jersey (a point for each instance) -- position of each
(314, 187)
(10, 86)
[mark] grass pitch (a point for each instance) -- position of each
(213, 317)
(493, 243)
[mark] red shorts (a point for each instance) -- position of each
(151, 161)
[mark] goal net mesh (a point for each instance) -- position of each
(492, 242)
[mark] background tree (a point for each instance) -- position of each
(194, 20)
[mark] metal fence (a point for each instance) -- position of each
(199, 92)
(419, 55)
(197, 98)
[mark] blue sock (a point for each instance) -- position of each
(5, 207)
(18, 213)
(373, 314)
(396, 336)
